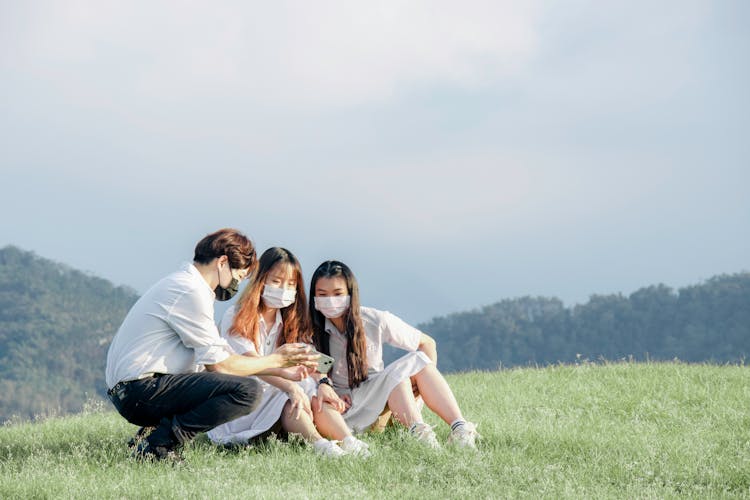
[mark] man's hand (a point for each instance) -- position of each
(296, 354)
(326, 394)
(299, 402)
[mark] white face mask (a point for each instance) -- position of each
(278, 298)
(332, 307)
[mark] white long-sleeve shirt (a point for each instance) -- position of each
(170, 329)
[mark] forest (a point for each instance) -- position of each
(56, 324)
(709, 322)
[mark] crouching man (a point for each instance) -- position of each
(169, 369)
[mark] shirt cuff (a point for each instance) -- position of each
(211, 355)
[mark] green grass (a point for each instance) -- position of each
(615, 430)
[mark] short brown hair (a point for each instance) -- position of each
(230, 242)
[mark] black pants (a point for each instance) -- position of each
(181, 406)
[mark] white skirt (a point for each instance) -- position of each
(242, 429)
(370, 398)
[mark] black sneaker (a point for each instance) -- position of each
(144, 452)
(141, 435)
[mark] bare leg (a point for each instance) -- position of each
(330, 423)
(437, 394)
(402, 404)
(302, 425)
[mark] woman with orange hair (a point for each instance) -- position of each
(272, 311)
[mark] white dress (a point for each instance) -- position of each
(246, 427)
(371, 397)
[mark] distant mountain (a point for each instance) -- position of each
(709, 322)
(56, 324)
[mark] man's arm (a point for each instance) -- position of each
(286, 355)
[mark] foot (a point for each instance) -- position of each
(353, 446)
(328, 449)
(141, 435)
(464, 436)
(424, 434)
(145, 452)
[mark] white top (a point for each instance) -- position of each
(170, 329)
(242, 345)
(380, 327)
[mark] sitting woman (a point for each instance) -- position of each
(272, 311)
(354, 335)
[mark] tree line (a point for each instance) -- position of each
(709, 322)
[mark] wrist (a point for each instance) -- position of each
(278, 360)
(324, 381)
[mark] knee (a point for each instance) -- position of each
(247, 392)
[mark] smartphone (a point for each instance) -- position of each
(325, 363)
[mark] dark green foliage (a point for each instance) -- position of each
(707, 322)
(55, 326)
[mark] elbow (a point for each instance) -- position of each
(428, 344)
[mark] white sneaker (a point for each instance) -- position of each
(424, 434)
(464, 436)
(353, 446)
(326, 448)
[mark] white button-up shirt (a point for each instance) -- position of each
(170, 329)
(267, 336)
(380, 327)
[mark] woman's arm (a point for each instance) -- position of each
(428, 346)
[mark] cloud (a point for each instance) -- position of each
(279, 53)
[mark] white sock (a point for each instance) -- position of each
(414, 426)
(457, 423)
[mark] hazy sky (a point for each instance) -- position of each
(452, 153)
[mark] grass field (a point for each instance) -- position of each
(615, 430)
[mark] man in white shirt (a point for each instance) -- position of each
(169, 368)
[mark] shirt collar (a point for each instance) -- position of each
(190, 268)
(276, 321)
(331, 328)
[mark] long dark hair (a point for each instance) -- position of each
(356, 345)
(249, 307)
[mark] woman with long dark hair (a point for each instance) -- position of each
(272, 311)
(354, 336)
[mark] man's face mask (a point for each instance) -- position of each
(230, 291)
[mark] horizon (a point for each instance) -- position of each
(450, 154)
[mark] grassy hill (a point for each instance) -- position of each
(615, 430)
(56, 324)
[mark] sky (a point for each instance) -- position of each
(453, 154)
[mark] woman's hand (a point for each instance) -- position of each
(347, 399)
(296, 354)
(414, 387)
(295, 373)
(326, 394)
(299, 402)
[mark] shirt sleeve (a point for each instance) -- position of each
(398, 333)
(194, 323)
